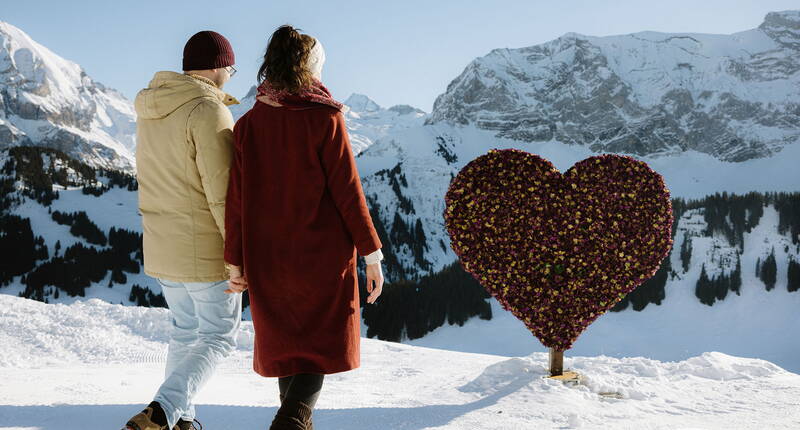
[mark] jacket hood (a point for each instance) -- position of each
(168, 91)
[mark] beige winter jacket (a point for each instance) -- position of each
(183, 154)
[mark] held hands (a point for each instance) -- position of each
(374, 273)
(237, 283)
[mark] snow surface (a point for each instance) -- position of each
(96, 364)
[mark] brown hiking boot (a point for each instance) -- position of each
(144, 420)
(292, 415)
(188, 425)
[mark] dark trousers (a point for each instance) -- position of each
(302, 387)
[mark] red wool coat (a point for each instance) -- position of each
(295, 215)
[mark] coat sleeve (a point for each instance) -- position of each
(210, 127)
(344, 185)
(233, 201)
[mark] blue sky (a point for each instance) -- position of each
(396, 52)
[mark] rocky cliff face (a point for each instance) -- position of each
(734, 97)
(49, 101)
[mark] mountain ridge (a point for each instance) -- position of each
(49, 101)
(647, 93)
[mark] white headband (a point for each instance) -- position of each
(316, 58)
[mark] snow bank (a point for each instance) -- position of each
(99, 363)
(34, 334)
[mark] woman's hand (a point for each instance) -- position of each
(237, 283)
(374, 274)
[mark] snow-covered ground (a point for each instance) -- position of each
(90, 365)
(758, 323)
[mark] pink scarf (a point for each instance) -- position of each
(316, 93)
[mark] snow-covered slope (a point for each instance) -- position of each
(116, 207)
(49, 101)
(102, 362)
(407, 175)
(734, 96)
(367, 122)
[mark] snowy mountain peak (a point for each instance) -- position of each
(50, 101)
(649, 93)
(406, 109)
(783, 26)
(786, 18)
(571, 35)
(35, 67)
(367, 122)
(361, 103)
(251, 94)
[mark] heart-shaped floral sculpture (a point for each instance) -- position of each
(558, 250)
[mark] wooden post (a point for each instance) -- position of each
(556, 362)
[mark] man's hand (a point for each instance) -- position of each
(374, 274)
(237, 283)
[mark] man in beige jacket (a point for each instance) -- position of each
(183, 154)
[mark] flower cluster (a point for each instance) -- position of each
(558, 251)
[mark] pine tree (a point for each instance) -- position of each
(19, 247)
(769, 271)
(134, 293)
(686, 251)
(118, 276)
(758, 267)
(721, 285)
(414, 308)
(650, 291)
(736, 277)
(793, 276)
(703, 288)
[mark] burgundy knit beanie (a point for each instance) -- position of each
(207, 50)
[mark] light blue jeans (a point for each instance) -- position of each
(205, 322)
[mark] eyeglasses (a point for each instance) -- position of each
(231, 70)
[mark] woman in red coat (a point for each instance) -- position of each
(295, 216)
